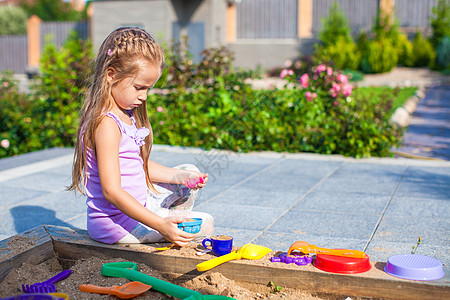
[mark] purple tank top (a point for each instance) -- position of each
(106, 223)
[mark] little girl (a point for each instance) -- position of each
(111, 164)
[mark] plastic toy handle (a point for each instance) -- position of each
(209, 264)
(340, 252)
(192, 182)
(58, 277)
(94, 289)
(129, 271)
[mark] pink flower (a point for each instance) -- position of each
(290, 72)
(329, 71)
(304, 80)
(347, 90)
(336, 87)
(5, 84)
(335, 103)
(288, 63)
(5, 143)
(283, 73)
(320, 69)
(159, 109)
(310, 96)
(333, 93)
(342, 78)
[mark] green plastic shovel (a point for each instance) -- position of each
(129, 270)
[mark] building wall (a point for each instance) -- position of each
(157, 17)
(264, 53)
(269, 54)
(154, 16)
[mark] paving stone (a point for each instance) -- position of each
(343, 202)
(327, 224)
(11, 195)
(423, 190)
(29, 216)
(241, 216)
(32, 157)
(434, 231)
(417, 207)
(240, 236)
(62, 201)
(42, 181)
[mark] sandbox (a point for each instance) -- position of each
(45, 250)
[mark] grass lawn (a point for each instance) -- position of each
(399, 95)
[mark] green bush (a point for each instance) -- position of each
(48, 116)
(353, 75)
(218, 110)
(440, 22)
(60, 90)
(404, 51)
(335, 26)
(228, 114)
(424, 54)
(15, 119)
(51, 10)
(343, 54)
(336, 43)
(443, 53)
(13, 20)
(362, 42)
(388, 47)
(380, 56)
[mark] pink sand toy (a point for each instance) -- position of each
(192, 182)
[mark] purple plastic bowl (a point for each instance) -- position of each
(414, 267)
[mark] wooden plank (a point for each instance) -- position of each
(72, 245)
(33, 246)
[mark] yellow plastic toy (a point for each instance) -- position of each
(248, 251)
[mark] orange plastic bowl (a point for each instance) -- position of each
(341, 264)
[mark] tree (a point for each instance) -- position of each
(51, 10)
(335, 27)
(13, 20)
(440, 22)
(336, 42)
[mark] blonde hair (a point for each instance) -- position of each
(122, 50)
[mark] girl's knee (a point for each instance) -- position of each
(207, 224)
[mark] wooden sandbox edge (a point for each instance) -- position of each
(75, 244)
(45, 242)
(33, 246)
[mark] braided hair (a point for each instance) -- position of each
(123, 50)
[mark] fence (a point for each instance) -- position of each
(57, 32)
(13, 53)
(277, 19)
(266, 19)
(414, 13)
(360, 14)
(14, 48)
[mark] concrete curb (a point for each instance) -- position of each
(402, 114)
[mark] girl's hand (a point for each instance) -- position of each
(194, 180)
(172, 233)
